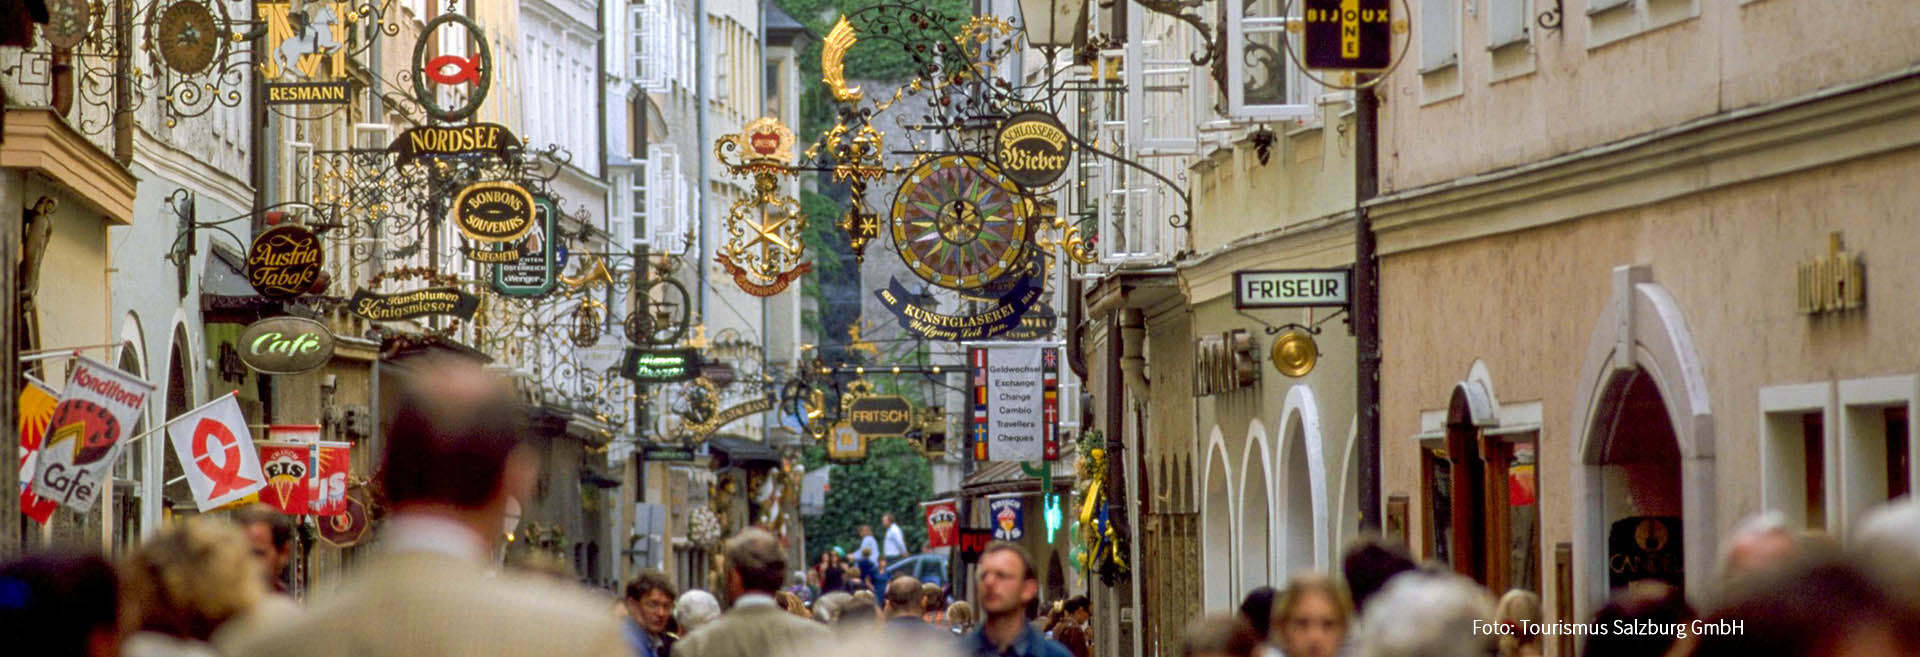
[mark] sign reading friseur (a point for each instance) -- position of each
(1292, 288)
(284, 262)
(1032, 148)
(285, 345)
(494, 211)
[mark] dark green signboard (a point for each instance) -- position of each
(536, 270)
(661, 365)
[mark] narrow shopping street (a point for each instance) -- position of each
(960, 328)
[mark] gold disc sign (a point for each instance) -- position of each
(1032, 147)
(495, 211)
(1294, 353)
(284, 262)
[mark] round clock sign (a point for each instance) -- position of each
(959, 223)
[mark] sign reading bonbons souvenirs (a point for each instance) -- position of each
(96, 412)
(453, 141)
(285, 345)
(1016, 401)
(493, 211)
(304, 60)
(918, 316)
(534, 270)
(1032, 148)
(883, 415)
(1348, 34)
(413, 304)
(661, 365)
(284, 262)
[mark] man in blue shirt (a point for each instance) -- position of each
(649, 602)
(1008, 583)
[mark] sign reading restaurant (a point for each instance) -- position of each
(1292, 288)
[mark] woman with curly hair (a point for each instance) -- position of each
(184, 585)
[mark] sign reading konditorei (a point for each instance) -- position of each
(1032, 148)
(284, 261)
(1348, 34)
(285, 345)
(1015, 389)
(96, 412)
(534, 271)
(881, 415)
(413, 304)
(453, 141)
(661, 365)
(1292, 288)
(494, 211)
(920, 319)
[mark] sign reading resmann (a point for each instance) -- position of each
(1292, 288)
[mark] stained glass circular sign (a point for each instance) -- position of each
(959, 223)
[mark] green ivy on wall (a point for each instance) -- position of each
(895, 479)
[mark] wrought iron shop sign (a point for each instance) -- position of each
(284, 262)
(533, 270)
(667, 453)
(661, 365)
(414, 304)
(453, 141)
(918, 317)
(1292, 288)
(468, 70)
(304, 56)
(753, 407)
(1032, 148)
(887, 415)
(494, 211)
(285, 345)
(1348, 34)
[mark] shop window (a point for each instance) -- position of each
(1523, 517)
(1482, 509)
(1874, 457)
(1899, 454)
(1793, 458)
(1813, 459)
(1438, 507)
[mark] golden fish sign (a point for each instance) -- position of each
(833, 55)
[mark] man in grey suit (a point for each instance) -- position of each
(756, 626)
(453, 460)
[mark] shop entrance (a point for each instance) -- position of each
(1639, 464)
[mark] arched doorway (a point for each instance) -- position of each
(1217, 526)
(1643, 494)
(180, 397)
(1303, 482)
(1056, 577)
(1256, 510)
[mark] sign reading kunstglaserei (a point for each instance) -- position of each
(918, 316)
(284, 262)
(1348, 34)
(413, 304)
(534, 271)
(285, 345)
(661, 365)
(1016, 401)
(1032, 149)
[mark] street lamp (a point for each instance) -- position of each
(1053, 24)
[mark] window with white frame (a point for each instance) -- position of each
(1875, 450)
(1261, 78)
(663, 199)
(1439, 34)
(1506, 23)
(1160, 86)
(1793, 457)
(651, 44)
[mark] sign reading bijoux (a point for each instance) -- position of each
(285, 345)
(1016, 401)
(533, 271)
(918, 317)
(1032, 147)
(453, 141)
(1348, 34)
(1291, 288)
(284, 261)
(413, 304)
(494, 211)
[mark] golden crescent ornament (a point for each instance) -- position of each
(1294, 353)
(833, 55)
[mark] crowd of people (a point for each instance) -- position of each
(453, 461)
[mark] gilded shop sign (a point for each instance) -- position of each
(453, 141)
(285, 345)
(1835, 283)
(413, 304)
(494, 211)
(284, 262)
(1032, 147)
(881, 415)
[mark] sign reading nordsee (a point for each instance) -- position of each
(1032, 147)
(1291, 288)
(453, 141)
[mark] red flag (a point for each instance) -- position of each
(943, 521)
(285, 465)
(327, 494)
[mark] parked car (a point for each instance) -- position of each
(928, 568)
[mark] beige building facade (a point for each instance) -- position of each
(1643, 276)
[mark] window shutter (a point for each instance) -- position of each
(296, 183)
(1439, 34)
(1506, 22)
(1159, 84)
(1258, 67)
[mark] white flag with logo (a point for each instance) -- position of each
(96, 412)
(216, 450)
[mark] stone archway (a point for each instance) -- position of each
(1643, 436)
(1256, 512)
(1216, 526)
(1303, 482)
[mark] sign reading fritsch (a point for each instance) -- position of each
(1348, 34)
(1291, 288)
(285, 345)
(1032, 147)
(885, 415)
(284, 261)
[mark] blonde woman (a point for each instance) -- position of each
(960, 617)
(1311, 617)
(1519, 610)
(184, 584)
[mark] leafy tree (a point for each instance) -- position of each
(894, 479)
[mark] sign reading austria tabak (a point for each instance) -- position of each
(95, 413)
(284, 262)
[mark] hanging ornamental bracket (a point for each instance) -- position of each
(764, 249)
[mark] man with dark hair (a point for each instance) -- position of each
(1257, 610)
(1369, 563)
(649, 602)
(756, 626)
(906, 603)
(1008, 584)
(453, 463)
(271, 534)
(60, 606)
(1072, 632)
